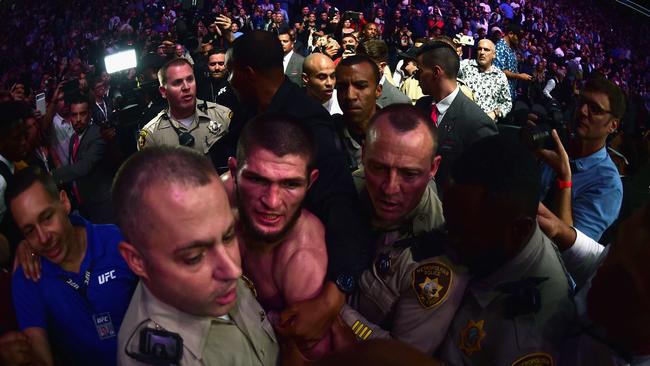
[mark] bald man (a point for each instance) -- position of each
(318, 74)
(489, 83)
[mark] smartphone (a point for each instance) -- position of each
(40, 103)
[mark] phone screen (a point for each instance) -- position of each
(40, 103)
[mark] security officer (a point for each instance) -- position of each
(188, 121)
(192, 306)
(518, 308)
(411, 291)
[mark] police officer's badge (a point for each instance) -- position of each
(142, 139)
(431, 282)
(534, 359)
(214, 127)
(471, 337)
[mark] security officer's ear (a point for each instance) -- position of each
(305, 78)
(435, 164)
(232, 167)
(133, 258)
(163, 91)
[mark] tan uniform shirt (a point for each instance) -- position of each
(245, 338)
(494, 327)
(402, 297)
(210, 123)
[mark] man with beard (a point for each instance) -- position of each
(282, 245)
(490, 85)
(216, 88)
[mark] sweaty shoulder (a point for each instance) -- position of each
(310, 231)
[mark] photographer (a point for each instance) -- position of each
(583, 187)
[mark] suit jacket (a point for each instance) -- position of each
(391, 95)
(463, 124)
(294, 68)
(96, 113)
(92, 174)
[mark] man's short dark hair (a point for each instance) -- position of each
(216, 51)
(440, 54)
(148, 167)
(247, 51)
(506, 169)
(78, 98)
(613, 92)
(514, 28)
(404, 118)
(376, 49)
(279, 133)
(25, 178)
(178, 61)
(360, 59)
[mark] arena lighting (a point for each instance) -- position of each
(123, 60)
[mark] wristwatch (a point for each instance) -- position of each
(345, 283)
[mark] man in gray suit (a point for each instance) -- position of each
(292, 61)
(377, 50)
(460, 121)
(88, 172)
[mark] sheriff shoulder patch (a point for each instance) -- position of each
(431, 282)
(534, 359)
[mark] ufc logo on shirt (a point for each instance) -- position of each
(103, 278)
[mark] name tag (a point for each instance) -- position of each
(104, 325)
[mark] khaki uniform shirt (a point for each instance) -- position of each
(495, 327)
(244, 338)
(210, 123)
(404, 295)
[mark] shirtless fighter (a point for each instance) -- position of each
(282, 245)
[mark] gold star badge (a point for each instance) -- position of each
(471, 337)
(431, 288)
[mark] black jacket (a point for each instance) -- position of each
(463, 124)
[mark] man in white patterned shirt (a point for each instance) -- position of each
(489, 83)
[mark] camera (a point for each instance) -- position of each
(353, 15)
(537, 137)
(161, 345)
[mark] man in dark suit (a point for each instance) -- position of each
(88, 172)
(292, 61)
(460, 121)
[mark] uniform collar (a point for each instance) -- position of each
(484, 290)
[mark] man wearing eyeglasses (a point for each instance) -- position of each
(583, 186)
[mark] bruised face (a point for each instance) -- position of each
(398, 167)
(191, 259)
(43, 221)
(270, 192)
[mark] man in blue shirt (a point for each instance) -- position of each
(584, 188)
(506, 58)
(73, 313)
